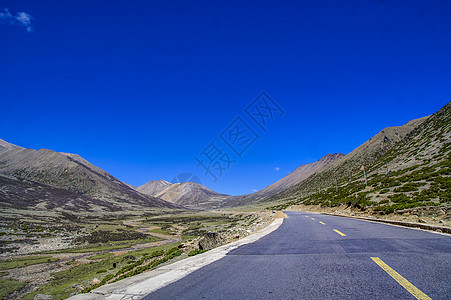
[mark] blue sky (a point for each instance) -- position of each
(141, 88)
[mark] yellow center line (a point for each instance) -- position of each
(306, 216)
(322, 223)
(340, 233)
(313, 219)
(401, 280)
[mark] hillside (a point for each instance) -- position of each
(405, 167)
(72, 173)
(295, 177)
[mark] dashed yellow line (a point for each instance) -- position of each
(322, 223)
(401, 280)
(313, 219)
(339, 232)
(306, 216)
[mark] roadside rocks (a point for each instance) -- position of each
(78, 288)
(94, 281)
(210, 240)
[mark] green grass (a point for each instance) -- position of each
(101, 256)
(115, 245)
(150, 250)
(61, 285)
(162, 231)
(8, 286)
(3, 274)
(25, 261)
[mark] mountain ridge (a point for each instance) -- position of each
(395, 176)
(73, 173)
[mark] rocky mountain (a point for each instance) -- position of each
(188, 194)
(295, 177)
(153, 187)
(400, 168)
(53, 171)
(5, 146)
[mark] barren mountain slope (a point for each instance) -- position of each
(5, 146)
(21, 194)
(187, 194)
(71, 172)
(153, 187)
(295, 177)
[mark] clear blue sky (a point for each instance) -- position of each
(140, 88)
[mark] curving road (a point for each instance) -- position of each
(313, 256)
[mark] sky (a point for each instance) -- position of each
(236, 93)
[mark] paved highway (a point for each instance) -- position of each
(312, 256)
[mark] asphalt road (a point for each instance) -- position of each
(313, 256)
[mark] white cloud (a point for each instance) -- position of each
(254, 190)
(277, 169)
(20, 18)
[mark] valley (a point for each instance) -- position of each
(68, 227)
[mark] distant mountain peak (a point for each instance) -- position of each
(153, 187)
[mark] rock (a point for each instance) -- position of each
(94, 281)
(78, 287)
(210, 240)
(181, 246)
(421, 221)
(43, 297)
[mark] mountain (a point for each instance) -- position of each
(72, 173)
(153, 187)
(5, 146)
(194, 195)
(378, 144)
(399, 168)
(188, 194)
(295, 177)
(364, 155)
(21, 194)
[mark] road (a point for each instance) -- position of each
(313, 256)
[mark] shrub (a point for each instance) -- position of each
(195, 252)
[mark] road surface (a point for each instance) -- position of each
(312, 256)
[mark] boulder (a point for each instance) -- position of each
(210, 240)
(94, 281)
(78, 287)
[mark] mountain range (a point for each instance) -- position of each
(45, 179)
